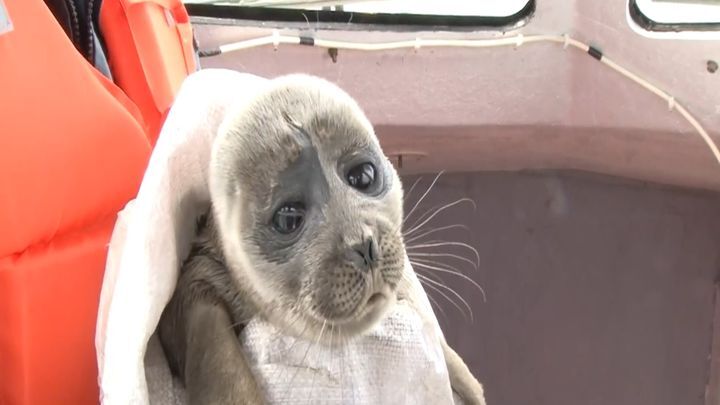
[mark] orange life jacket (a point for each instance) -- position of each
(150, 48)
(73, 149)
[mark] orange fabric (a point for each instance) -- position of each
(48, 311)
(150, 52)
(72, 153)
(67, 144)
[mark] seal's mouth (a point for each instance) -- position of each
(375, 308)
(369, 314)
(371, 311)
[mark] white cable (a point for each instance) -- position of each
(276, 39)
(255, 42)
(515, 41)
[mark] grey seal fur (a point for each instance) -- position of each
(299, 156)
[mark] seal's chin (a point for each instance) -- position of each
(368, 314)
(335, 331)
(376, 308)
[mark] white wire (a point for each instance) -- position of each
(515, 41)
(274, 40)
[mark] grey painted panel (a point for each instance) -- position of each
(599, 291)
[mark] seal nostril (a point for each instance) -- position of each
(372, 250)
(362, 257)
(364, 254)
(369, 249)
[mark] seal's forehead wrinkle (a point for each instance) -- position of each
(317, 102)
(272, 133)
(337, 126)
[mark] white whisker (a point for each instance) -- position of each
(302, 362)
(424, 280)
(319, 356)
(450, 271)
(409, 193)
(454, 256)
(435, 303)
(430, 232)
(455, 293)
(438, 211)
(423, 196)
(445, 243)
(431, 211)
(424, 215)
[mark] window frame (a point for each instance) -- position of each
(650, 25)
(327, 19)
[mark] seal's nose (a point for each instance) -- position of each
(364, 254)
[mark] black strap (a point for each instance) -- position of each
(80, 21)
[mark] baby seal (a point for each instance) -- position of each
(304, 231)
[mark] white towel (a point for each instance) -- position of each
(398, 362)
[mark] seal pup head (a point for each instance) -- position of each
(308, 208)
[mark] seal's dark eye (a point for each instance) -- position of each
(289, 217)
(362, 176)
